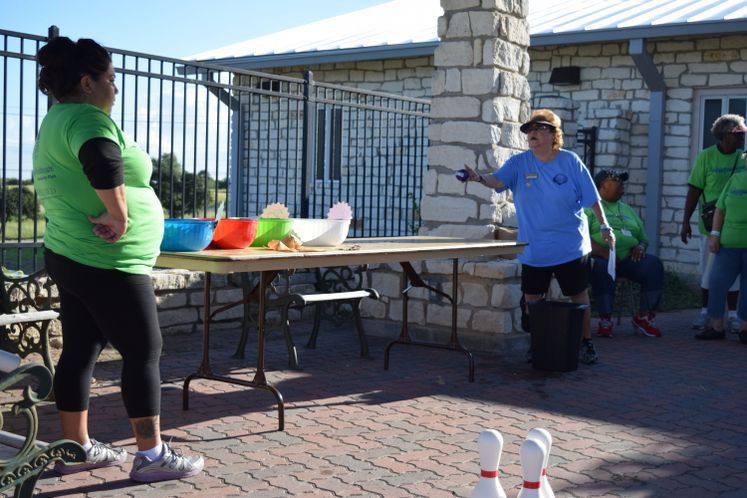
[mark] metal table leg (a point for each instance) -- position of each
(259, 382)
(404, 337)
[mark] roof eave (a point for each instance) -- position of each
(711, 28)
(357, 54)
(421, 49)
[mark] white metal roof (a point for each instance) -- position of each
(410, 24)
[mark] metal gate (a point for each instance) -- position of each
(218, 134)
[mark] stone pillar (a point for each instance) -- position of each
(480, 98)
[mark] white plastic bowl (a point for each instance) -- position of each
(314, 232)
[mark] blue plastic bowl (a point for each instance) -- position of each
(186, 235)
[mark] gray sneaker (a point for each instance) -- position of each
(100, 455)
(171, 465)
(734, 325)
(587, 354)
(701, 322)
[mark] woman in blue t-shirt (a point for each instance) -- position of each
(551, 187)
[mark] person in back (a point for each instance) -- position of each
(103, 233)
(713, 167)
(728, 242)
(632, 261)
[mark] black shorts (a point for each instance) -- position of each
(573, 277)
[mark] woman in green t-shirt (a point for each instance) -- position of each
(713, 166)
(104, 227)
(728, 241)
(632, 260)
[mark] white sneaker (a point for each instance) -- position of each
(100, 455)
(170, 465)
(700, 322)
(734, 325)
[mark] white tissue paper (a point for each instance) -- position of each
(275, 210)
(340, 211)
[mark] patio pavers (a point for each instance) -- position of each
(656, 417)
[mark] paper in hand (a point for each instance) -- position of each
(611, 263)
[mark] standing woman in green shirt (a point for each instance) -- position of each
(104, 228)
(713, 167)
(728, 241)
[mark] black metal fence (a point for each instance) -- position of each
(217, 134)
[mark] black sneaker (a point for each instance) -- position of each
(524, 314)
(743, 336)
(710, 334)
(587, 353)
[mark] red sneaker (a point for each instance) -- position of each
(647, 325)
(605, 327)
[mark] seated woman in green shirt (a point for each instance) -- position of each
(632, 260)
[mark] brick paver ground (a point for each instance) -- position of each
(656, 417)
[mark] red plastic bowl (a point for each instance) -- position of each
(234, 233)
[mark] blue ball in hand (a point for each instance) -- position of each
(462, 175)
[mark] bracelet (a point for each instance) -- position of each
(480, 178)
(715, 233)
(604, 227)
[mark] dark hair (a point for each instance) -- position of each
(63, 62)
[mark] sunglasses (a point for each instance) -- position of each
(539, 127)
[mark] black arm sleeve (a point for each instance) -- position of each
(102, 163)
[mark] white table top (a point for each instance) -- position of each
(352, 252)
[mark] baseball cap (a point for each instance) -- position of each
(604, 174)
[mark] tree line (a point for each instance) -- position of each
(181, 192)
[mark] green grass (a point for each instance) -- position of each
(27, 229)
(678, 294)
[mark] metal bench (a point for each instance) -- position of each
(22, 457)
(332, 288)
(26, 314)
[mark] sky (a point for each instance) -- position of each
(173, 28)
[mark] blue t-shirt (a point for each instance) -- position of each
(549, 199)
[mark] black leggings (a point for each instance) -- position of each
(99, 306)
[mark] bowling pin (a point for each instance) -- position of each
(490, 445)
(532, 455)
(543, 436)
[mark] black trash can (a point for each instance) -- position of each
(556, 334)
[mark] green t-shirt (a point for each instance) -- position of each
(627, 225)
(733, 200)
(711, 171)
(68, 197)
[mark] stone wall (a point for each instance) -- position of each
(409, 77)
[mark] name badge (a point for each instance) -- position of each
(531, 176)
(626, 232)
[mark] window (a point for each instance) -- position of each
(711, 105)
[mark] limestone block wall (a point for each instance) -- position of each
(410, 77)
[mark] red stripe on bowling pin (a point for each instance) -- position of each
(489, 473)
(531, 485)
